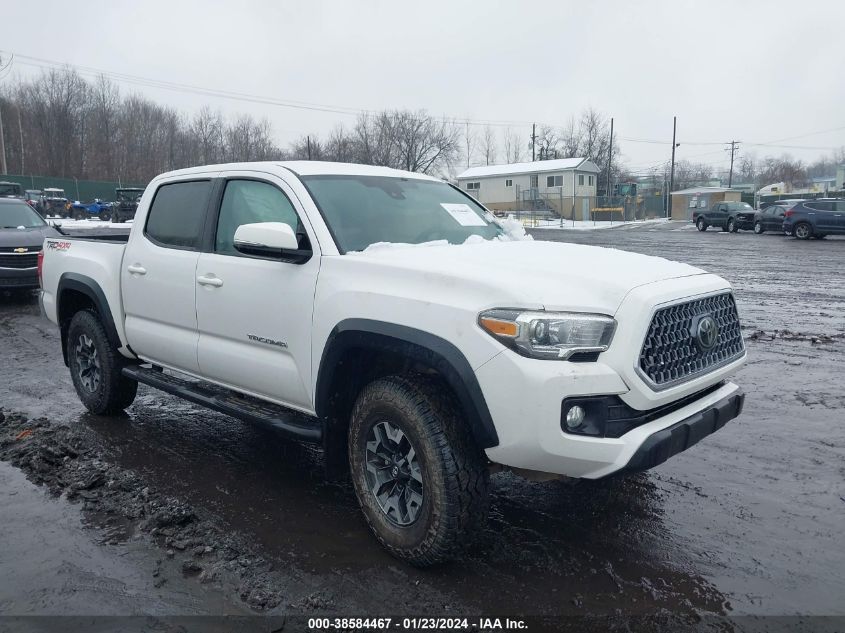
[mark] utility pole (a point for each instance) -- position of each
(20, 132)
(533, 140)
(732, 149)
(672, 170)
(2, 146)
(2, 140)
(308, 143)
(609, 159)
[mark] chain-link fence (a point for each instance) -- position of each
(84, 190)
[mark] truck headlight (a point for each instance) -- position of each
(549, 335)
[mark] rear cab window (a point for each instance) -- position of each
(177, 214)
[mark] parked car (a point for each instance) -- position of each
(729, 216)
(815, 218)
(10, 190)
(299, 295)
(22, 232)
(770, 218)
(35, 199)
(55, 202)
(96, 209)
(126, 203)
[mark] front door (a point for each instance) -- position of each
(158, 277)
(254, 314)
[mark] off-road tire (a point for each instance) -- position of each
(758, 228)
(78, 214)
(803, 231)
(113, 392)
(701, 225)
(454, 470)
(105, 216)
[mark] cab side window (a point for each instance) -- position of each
(177, 214)
(247, 202)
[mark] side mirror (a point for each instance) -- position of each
(272, 240)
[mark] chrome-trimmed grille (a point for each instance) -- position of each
(670, 354)
(19, 260)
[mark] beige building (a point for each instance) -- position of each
(685, 201)
(563, 185)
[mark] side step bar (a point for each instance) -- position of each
(293, 423)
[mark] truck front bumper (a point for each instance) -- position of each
(532, 436)
(18, 278)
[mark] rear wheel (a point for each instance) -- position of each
(758, 228)
(701, 225)
(78, 214)
(95, 366)
(104, 215)
(420, 480)
(803, 231)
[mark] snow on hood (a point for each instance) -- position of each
(525, 273)
(514, 232)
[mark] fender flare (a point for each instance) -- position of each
(442, 355)
(91, 289)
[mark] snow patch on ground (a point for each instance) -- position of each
(67, 223)
(590, 225)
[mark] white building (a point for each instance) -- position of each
(568, 185)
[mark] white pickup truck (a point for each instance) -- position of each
(390, 317)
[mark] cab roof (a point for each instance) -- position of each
(303, 168)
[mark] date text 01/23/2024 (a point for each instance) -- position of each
(416, 624)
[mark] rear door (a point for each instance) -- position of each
(839, 216)
(719, 214)
(775, 217)
(158, 278)
(824, 216)
(254, 314)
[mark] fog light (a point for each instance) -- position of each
(574, 417)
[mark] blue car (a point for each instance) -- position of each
(815, 218)
(97, 209)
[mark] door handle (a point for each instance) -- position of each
(136, 269)
(210, 281)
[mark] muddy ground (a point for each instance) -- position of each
(173, 509)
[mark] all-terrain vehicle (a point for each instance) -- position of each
(126, 203)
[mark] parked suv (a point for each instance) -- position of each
(815, 218)
(770, 217)
(729, 216)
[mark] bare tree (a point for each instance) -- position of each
(512, 145)
(488, 145)
(470, 142)
(547, 142)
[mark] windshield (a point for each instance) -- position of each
(364, 210)
(739, 206)
(10, 189)
(13, 216)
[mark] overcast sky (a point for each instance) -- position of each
(758, 72)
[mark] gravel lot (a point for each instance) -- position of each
(176, 510)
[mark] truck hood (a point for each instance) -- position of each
(26, 238)
(529, 274)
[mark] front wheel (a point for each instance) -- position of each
(95, 366)
(758, 228)
(78, 214)
(105, 216)
(420, 480)
(803, 231)
(732, 226)
(701, 225)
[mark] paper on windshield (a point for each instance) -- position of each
(463, 214)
